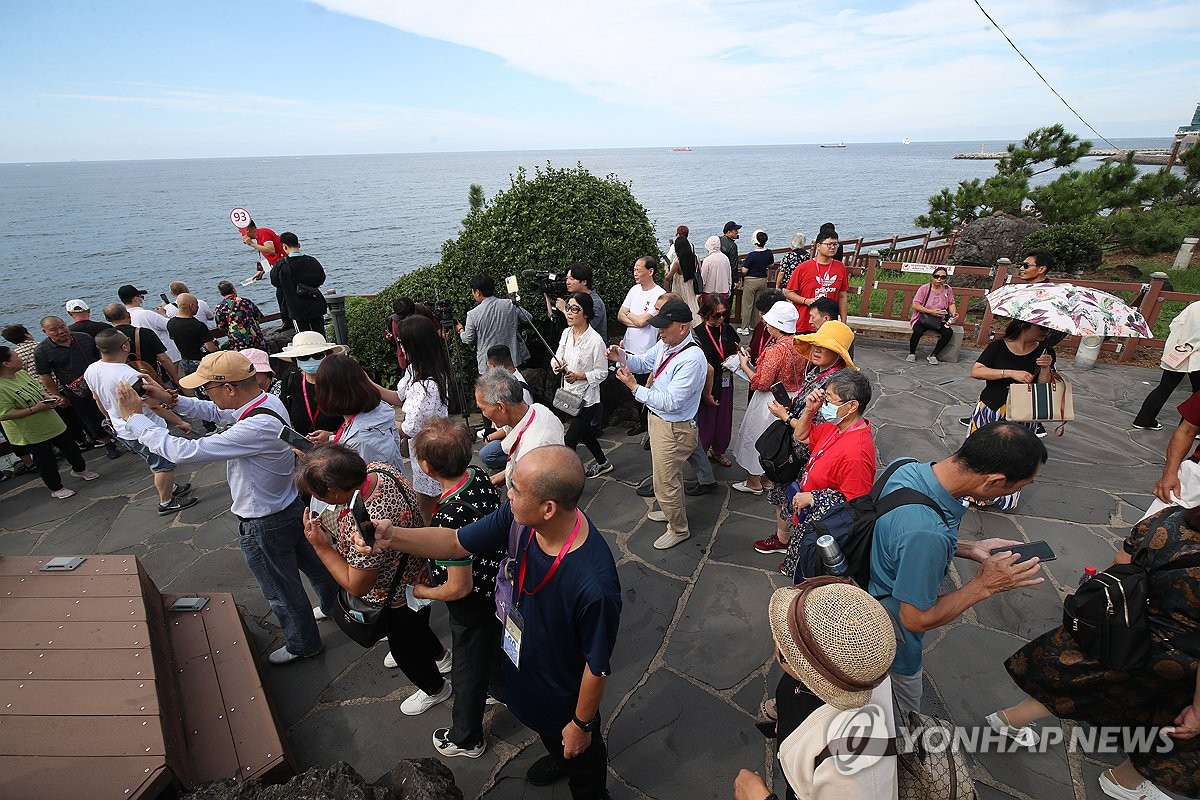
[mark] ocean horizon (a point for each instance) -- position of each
(82, 228)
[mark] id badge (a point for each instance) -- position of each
(726, 378)
(512, 636)
(504, 588)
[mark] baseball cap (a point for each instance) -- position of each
(77, 305)
(731, 226)
(226, 365)
(671, 312)
(129, 291)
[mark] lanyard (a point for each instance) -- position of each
(337, 437)
(668, 359)
(312, 415)
(553, 567)
(253, 406)
(512, 451)
(718, 343)
(451, 494)
(828, 443)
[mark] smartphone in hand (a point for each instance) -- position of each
(139, 386)
(781, 394)
(358, 510)
(1039, 550)
(292, 437)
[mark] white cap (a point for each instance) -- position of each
(77, 305)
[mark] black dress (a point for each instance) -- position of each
(1052, 669)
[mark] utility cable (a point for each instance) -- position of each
(1048, 86)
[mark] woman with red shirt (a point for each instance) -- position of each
(778, 363)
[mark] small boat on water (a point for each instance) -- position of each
(906, 140)
(681, 149)
(839, 144)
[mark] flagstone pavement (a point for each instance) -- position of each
(694, 656)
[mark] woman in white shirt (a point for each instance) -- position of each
(582, 363)
(423, 389)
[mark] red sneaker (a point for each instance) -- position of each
(771, 545)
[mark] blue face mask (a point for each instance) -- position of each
(310, 365)
(829, 411)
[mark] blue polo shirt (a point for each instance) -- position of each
(570, 624)
(911, 554)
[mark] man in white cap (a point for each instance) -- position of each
(259, 470)
(677, 369)
(84, 323)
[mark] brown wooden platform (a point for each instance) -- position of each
(103, 693)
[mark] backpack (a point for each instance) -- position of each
(852, 526)
(780, 458)
(1107, 615)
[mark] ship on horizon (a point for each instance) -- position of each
(835, 145)
(684, 149)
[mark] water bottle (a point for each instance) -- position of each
(831, 556)
(1089, 572)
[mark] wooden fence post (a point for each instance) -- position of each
(1000, 277)
(1150, 306)
(864, 305)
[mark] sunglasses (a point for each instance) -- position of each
(574, 310)
(718, 315)
(313, 357)
(939, 277)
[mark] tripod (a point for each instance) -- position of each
(456, 377)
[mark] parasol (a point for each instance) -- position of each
(1069, 309)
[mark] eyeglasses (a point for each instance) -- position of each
(574, 310)
(313, 357)
(1027, 265)
(830, 243)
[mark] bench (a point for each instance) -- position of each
(948, 355)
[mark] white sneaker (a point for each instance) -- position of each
(933, 360)
(656, 516)
(441, 741)
(911, 358)
(86, 475)
(389, 661)
(444, 663)
(420, 702)
(743, 331)
(1026, 736)
(1144, 791)
(63, 493)
(670, 539)
(318, 614)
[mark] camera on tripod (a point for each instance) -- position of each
(445, 313)
(552, 284)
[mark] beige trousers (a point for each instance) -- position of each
(670, 445)
(751, 289)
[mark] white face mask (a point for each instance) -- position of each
(310, 365)
(829, 411)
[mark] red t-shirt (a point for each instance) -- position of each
(1190, 410)
(264, 235)
(842, 461)
(811, 279)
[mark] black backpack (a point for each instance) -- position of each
(852, 526)
(781, 458)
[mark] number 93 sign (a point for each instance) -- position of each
(240, 218)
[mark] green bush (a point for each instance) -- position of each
(1160, 229)
(1076, 246)
(557, 217)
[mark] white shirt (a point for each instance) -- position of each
(538, 427)
(640, 301)
(258, 464)
(204, 312)
(102, 378)
(586, 356)
(146, 318)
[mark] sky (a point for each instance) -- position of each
(127, 79)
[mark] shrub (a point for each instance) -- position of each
(557, 217)
(1076, 247)
(1160, 229)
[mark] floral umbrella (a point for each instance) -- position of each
(1073, 310)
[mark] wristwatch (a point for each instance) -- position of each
(586, 727)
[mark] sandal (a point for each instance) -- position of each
(721, 459)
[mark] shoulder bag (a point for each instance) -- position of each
(136, 361)
(1041, 402)
(565, 400)
(934, 322)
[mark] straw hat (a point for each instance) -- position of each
(782, 316)
(837, 638)
(306, 343)
(833, 335)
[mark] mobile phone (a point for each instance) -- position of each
(49, 400)
(358, 510)
(139, 386)
(781, 394)
(511, 285)
(293, 437)
(1039, 550)
(163, 295)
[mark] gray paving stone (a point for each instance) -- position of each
(680, 560)
(82, 532)
(1075, 545)
(167, 562)
(671, 722)
(304, 680)
(902, 410)
(648, 607)
(725, 613)
(616, 507)
(222, 571)
(1090, 442)
(1025, 613)
(221, 531)
(18, 543)
(1070, 503)
(734, 543)
(34, 509)
(894, 441)
(212, 504)
(751, 696)
(1110, 478)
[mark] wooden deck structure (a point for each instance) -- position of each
(106, 693)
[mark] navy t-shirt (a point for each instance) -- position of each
(570, 623)
(757, 263)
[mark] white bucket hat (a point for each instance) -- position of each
(783, 316)
(306, 343)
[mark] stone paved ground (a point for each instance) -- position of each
(693, 661)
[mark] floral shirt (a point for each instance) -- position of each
(789, 263)
(238, 317)
(392, 499)
(779, 362)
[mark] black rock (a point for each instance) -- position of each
(417, 779)
(986, 240)
(420, 779)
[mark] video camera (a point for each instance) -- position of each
(552, 284)
(444, 312)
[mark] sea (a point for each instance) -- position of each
(81, 229)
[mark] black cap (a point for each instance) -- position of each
(731, 226)
(129, 291)
(672, 311)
